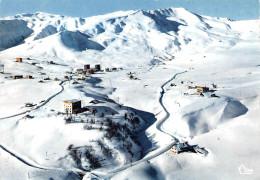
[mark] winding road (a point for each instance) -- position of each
(23, 159)
(95, 172)
(159, 127)
(37, 107)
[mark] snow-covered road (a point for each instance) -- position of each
(159, 127)
(41, 105)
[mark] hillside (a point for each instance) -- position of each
(167, 76)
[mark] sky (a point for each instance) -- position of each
(233, 9)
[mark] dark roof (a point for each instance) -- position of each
(72, 100)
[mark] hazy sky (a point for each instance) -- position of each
(233, 9)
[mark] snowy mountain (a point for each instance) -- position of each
(143, 33)
(167, 77)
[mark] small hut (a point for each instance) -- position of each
(17, 76)
(201, 89)
(19, 59)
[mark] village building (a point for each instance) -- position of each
(29, 104)
(106, 69)
(80, 71)
(81, 79)
(201, 89)
(72, 106)
(91, 71)
(28, 77)
(19, 59)
(28, 117)
(214, 96)
(86, 67)
(2, 68)
(181, 147)
(17, 76)
(97, 67)
(95, 101)
(113, 69)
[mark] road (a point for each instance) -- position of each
(37, 107)
(98, 173)
(159, 127)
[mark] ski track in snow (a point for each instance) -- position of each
(159, 127)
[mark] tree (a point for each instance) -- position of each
(70, 147)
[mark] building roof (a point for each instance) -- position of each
(201, 87)
(182, 147)
(72, 100)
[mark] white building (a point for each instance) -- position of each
(71, 106)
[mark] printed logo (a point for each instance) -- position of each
(244, 170)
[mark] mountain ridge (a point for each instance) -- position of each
(160, 32)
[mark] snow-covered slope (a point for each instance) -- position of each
(132, 34)
(138, 109)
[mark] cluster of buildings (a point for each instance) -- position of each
(185, 147)
(203, 89)
(89, 70)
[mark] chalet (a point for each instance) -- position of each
(214, 96)
(81, 79)
(29, 104)
(97, 67)
(80, 71)
(72, 106)
(192, 87)
(91, 71)
(19, 59)
(95, 101)
(17, 76)
(28, 77)
(28, 117)
(86, 67)
(201, 89)
(181, 147)
(200, 150)
(106, 69)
